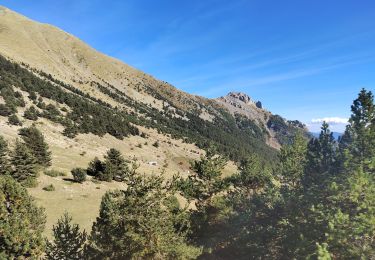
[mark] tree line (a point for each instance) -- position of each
(79, 112)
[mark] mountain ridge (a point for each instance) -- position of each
(62, 56)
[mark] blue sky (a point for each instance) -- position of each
(304, 60)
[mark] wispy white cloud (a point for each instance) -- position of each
(235, 66)
(330, 120)
(292, 74)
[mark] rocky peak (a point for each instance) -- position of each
(238, 99)
(240, 96)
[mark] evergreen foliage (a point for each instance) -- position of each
(24, 164)
(116, 165)
(321, 210)
(34, 140)
(322, 155)
(315, 201)
(293, 161)
(79, 175)
(87, 114)
(206, 179)
(134, 224)
(4, 160)
(31, 113)
(14, 120)
(285, 130)
(69, 241)
(21, 222)
(360, 132)
(203, 186)
(5, 110)
(96, 168)
(252, 175)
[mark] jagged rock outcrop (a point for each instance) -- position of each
(236, 98)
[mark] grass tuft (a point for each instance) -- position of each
(49, 187)
(54, 173)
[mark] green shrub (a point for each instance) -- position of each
(14, 120)
(30, 182)
(54, 173)
(79, 174)
(49, 187)
(5, 110)
(31, 113)
(96, 181)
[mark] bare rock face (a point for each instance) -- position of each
(240, 96)
(240, 99)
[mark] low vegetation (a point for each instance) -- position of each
(79, 175)
(49, 187)
(54, 173)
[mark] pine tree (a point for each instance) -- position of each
(79, 174)
(23, 162)
(4, 162)
(208, 175)
(21, 222)
(115, 164)
(361, 132)
(313, 156)
(135, 224)
(252, 175)
(34, 140)
(321, 152)
(96, 168)
(69, 241)
(293, 160)
(328, 148)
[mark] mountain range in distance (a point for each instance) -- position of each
(336, 135)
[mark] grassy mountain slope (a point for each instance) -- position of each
(66, 58)
(87, 102)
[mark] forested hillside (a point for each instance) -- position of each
(85, 103)
(99, 160)
(86, 114)
(316, 203)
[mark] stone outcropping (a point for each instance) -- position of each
(238, 99)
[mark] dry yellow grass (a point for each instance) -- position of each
(83, 200)
(64, 56)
